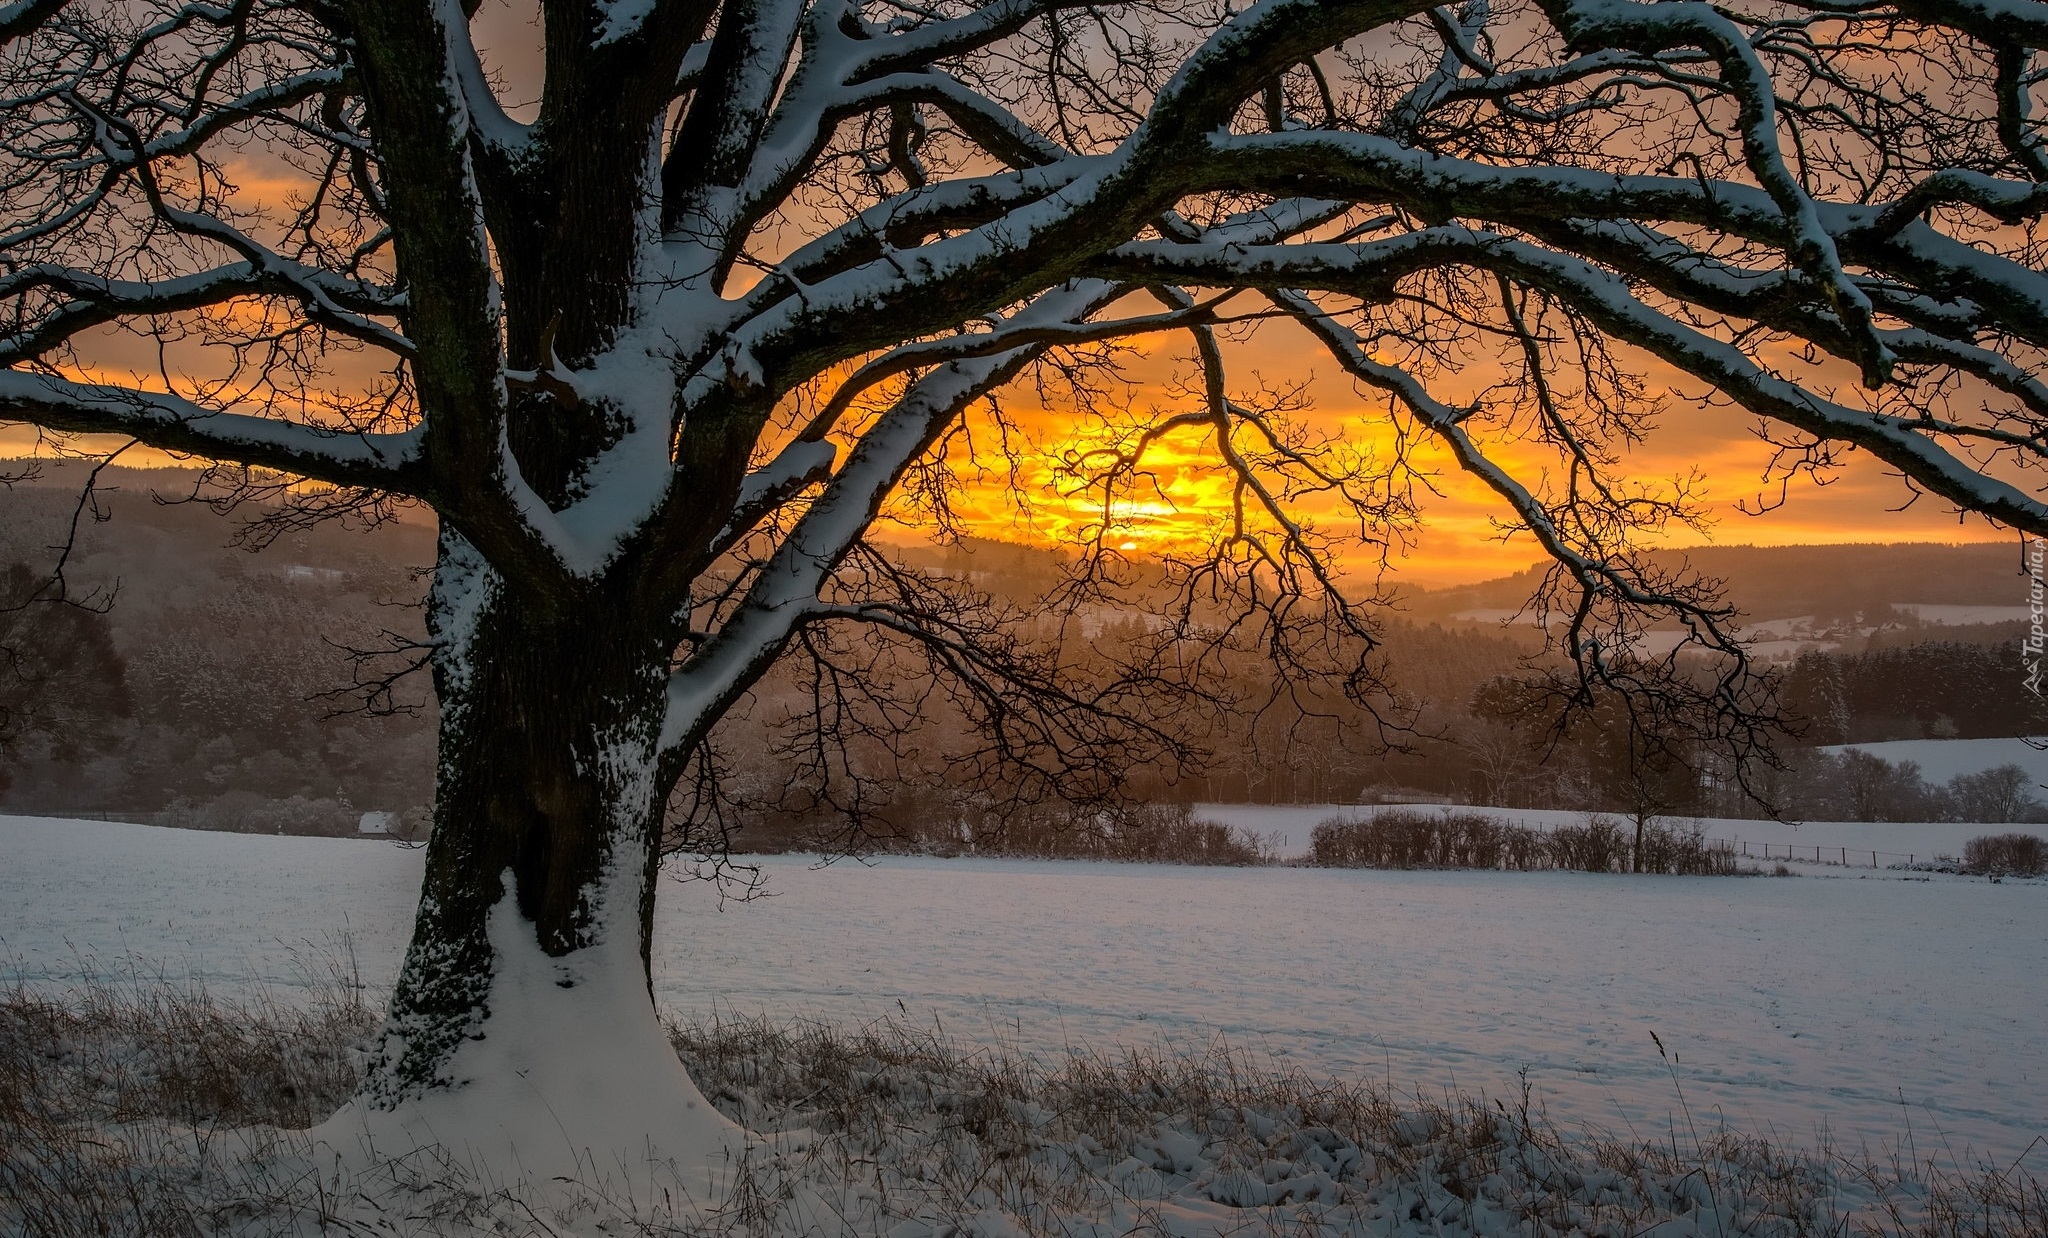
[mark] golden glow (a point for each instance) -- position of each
(1174, 502)
(1184, 498)
(1035, 482)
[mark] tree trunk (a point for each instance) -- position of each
(522, 1029)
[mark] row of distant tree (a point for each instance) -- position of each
(1582, 772)
(1859, 786)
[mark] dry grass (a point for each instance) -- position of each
(123, 1105)
(1994, 1201)
(1035, 1145)
(140, 1109)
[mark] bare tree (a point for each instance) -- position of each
(1501, 758)
(2002, 793)
(658, 348)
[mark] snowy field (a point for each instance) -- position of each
(1860, 1008)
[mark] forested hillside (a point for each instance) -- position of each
(238, 701)
(1929, 689)
(235, 664)
(1832, 584)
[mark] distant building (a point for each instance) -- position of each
(377, 823)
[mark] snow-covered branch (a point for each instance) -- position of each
(786, 592)
(502, 136)
(379, 460)
(1372, 270)
(22, 16)
(92, 300)
(721, 210)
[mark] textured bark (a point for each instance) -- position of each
(548, 794)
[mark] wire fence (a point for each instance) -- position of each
(1851, 857)
(1808, 853)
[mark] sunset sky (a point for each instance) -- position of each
(1457, 541)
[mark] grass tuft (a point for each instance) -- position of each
(126, 1107)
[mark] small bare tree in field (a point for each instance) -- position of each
(659, 347)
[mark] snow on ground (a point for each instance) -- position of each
(1291, 824)
(1875, 1007)
(1942, 759)
(1788, 628)
(1785, 650)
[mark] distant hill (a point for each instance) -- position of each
(1771, 582)
(147, 506)
(1766, 582)
(230, 656)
